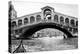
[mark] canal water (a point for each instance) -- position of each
(47, 44)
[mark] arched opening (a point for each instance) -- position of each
(19, 22)
(56, 18)
(72, 22)
(38, 18)
(48, 32)
(67, 21)
(47, 14)
(25, 20)
(61, 20)
(47, 11)
(37, 27)
(77, 23)
(13, 24)
(32, 19)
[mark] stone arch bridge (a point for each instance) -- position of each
(28, 24)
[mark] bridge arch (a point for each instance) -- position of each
(25, 20)
(19, 22)
(38, 18)
(67, 21)
(56, 18)
(13, 24)
(72, 22)
(32, 19)
(29, 32)
(61, 20)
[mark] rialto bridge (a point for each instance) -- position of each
(26, 25)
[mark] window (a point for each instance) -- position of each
(72, 22)
(38, 18)
(62, 20)
(32, 19)
(13, 24)
(56, 18)
(25, 20)
(19, 22)
(67, 21)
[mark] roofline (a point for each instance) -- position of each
(40, 12)
(66, 15)
(47, 7)
(26, 15)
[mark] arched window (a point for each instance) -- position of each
(47, 11)
(72, 22)
(25, 20)
(19, 22)
(13, 24)
(38, 18)
(32, 19)
(47, 14)
(62, 20)
(76, 23)
(56, 18)
(67, 21)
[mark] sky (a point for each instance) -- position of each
(24, 8)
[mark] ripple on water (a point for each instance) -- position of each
(47, 43)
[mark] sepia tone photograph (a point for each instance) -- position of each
(37, 27)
